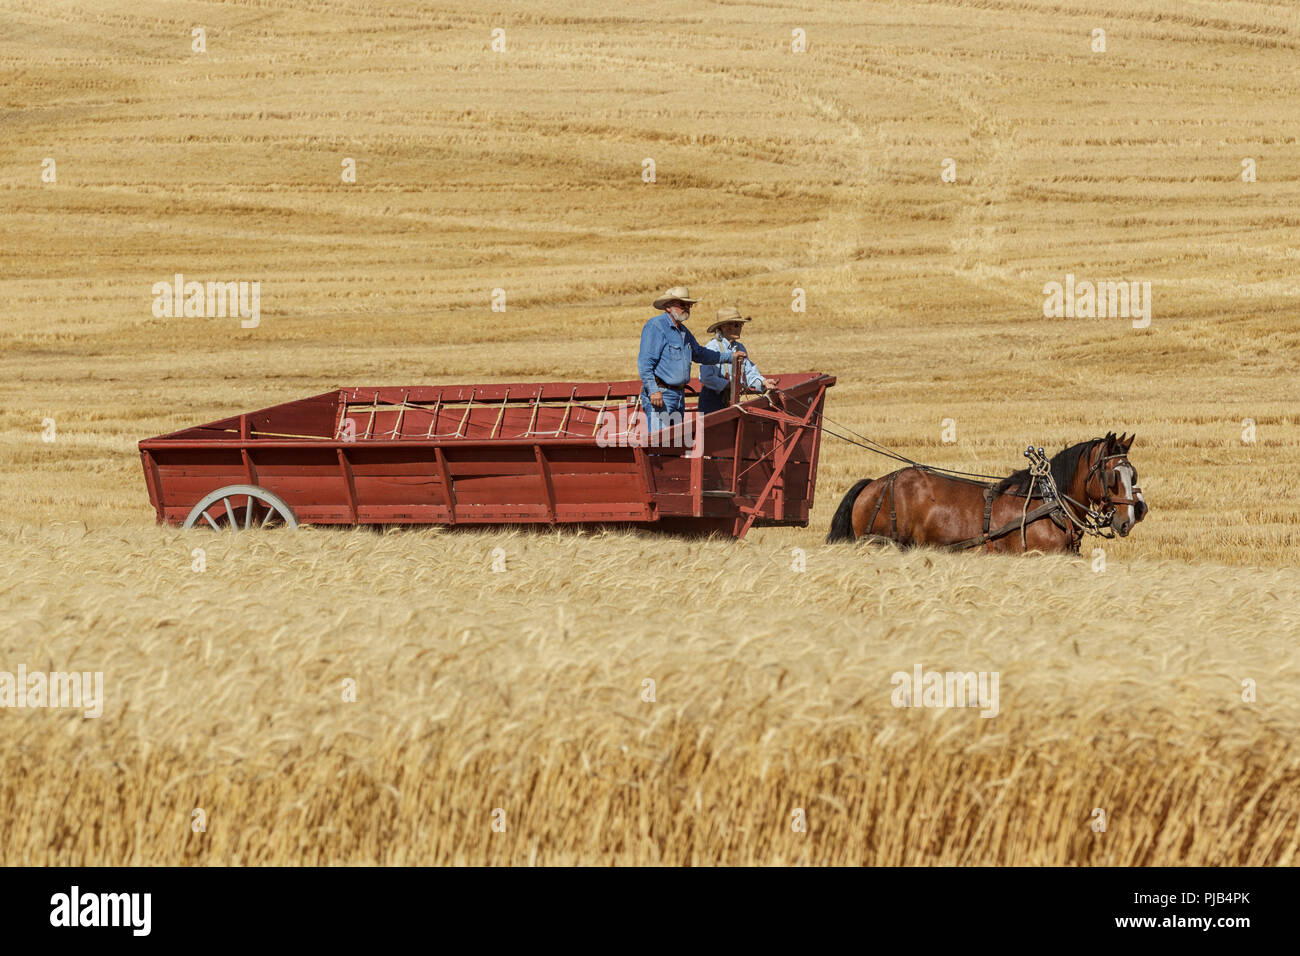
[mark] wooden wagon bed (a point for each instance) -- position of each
(548, 453)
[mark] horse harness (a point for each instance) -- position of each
(1041, 485)
(1052, 508)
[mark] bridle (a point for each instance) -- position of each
(1107, 476)
(1081, 514)
(1098, 520)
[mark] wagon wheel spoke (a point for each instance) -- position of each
(255, 500)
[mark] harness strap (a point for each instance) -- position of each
(1043, 510)
(893, 515)
(880, 499)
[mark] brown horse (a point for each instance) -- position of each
(1093, 488)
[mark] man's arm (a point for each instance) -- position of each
(707, 356)
(648, 356)
(711, 375)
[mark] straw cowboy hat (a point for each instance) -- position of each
(678, 293)
(727, 315)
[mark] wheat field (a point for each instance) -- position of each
(1149, 695)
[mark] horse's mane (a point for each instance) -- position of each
(1064, 464)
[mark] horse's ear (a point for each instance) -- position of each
(1128, 444)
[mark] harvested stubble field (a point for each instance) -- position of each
(1120, 690)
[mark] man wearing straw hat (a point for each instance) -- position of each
(664, 361)
(716, 379)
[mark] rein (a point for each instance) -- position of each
(871, 445)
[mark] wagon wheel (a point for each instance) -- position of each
(241, 506)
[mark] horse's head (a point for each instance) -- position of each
(1112, 483)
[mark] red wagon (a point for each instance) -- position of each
(552, 453)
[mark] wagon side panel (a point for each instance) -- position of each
(184, 475)
(308, 479)
(546, 482)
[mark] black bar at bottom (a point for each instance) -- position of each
(599, 907)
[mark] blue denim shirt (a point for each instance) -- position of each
(719, 376)
(667, 351)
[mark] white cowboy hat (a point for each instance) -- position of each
(728, 315)
(678, 293)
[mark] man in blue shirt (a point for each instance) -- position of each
(716, 379)
(664, 362)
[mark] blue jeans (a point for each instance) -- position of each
(711, 401)
(657, 418)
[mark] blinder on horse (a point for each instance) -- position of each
(1109, 477)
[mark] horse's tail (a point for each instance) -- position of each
(842, 523)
